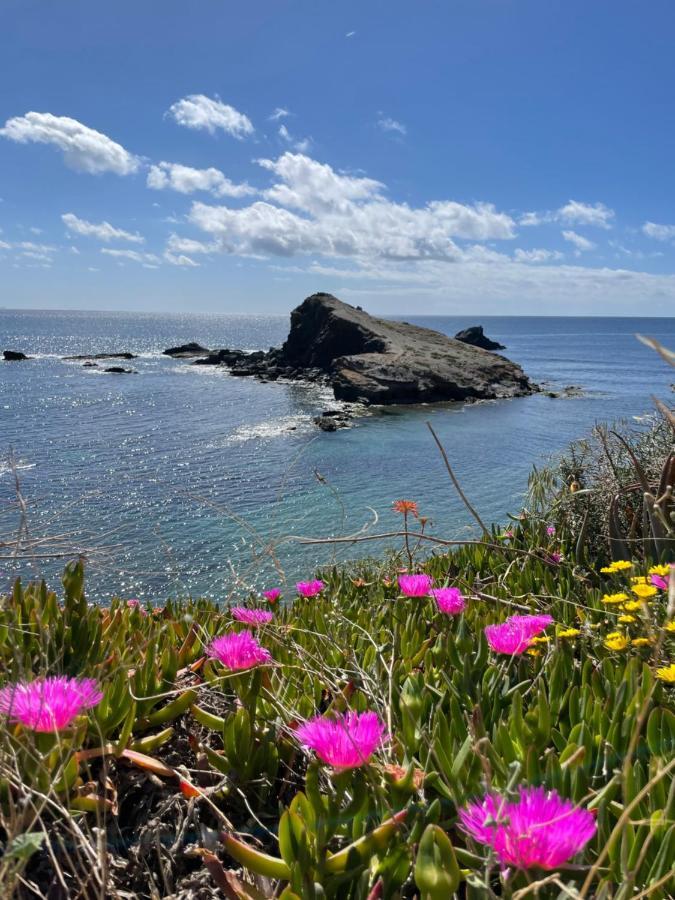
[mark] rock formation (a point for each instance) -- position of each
(14, 355)
(186, 350)
(476, 337)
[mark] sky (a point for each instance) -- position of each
(507, 157)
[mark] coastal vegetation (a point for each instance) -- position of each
(496, 719)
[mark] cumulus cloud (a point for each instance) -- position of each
(576, 213)
(386, 123)
(659, 232)
(83, 148)
(581, 243)
(311, 208)
(103, 231)
(536, 256)
(133, 255)
(185, 180)
(204, 113)
(177, 244)
(529, 219)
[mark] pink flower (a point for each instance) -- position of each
(251, 616)
(550, 530)
(515, 634)
(449, 600)
(310, 588)
(555, 558)
(238, 651)
(659, 581)
(272, 595)
(539, 830)
(49, 704)
(133, 603)
(415, 585)
(345, 742)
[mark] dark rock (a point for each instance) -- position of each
(90, 365)
(14, 355)
(119, 370)
(477, 338)
(326, 424)
(186, 350)
(102, 356)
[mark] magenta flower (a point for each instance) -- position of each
(310, 588)
(49, 704)
(238, 651)
(415, 585)
(345, 742)
(550, 530)
(515, 634)
(555, 558)
(539, 830)
(133, 603)
(449, 600)
(272, 595)
(659, 581)
(253, 617)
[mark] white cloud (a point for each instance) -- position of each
(180, 259)
(350, 34)
(103, 231)
(208, 114)
(83, 148)
(35, 231)
(315, 209)
(75, 251)
(576, 213)
(659, 232)
(5, 246)
(133, 255)
(581, 243)
(177, 244)
(185, 180)
(279, 113)
(530, 218)
(385, 123)
(302, 146)
(36, 248)
(536, 256)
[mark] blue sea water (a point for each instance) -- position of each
(183, 479)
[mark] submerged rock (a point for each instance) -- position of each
(186, 350)
(122, 355)
(477, 338)
(14, 355)
(119, 370)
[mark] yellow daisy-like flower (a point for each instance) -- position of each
(640, 642)
(632, 605)
(640, 579)
(620, 565)
(614, 598)
(533, 652)
(569, 632)
(644, 590)
(616, 641)
(627, 619)
(667, 673)
(540, 639)
(660, 570)
(607, 570)
(670, 626)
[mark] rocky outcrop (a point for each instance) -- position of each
(371, 360)
(186, 350)
(123, 355)
(477, 338)
(120, 370)
(14, 355)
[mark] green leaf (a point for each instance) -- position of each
(437, 873)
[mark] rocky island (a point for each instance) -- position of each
(377, 361)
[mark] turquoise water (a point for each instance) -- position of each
(181, 479)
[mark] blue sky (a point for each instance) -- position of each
(487, 156)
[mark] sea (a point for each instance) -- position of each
(183, 480)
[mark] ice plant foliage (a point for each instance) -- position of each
(49, 704)
(272, 595)
(514, 636)
(345, 742)
(253, 617)
(449, 600)
(539, 830)
(238, 650)
(310, 588)
(415, 585)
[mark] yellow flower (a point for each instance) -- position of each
(639, 579)
(616, 641)
(627, 619)
(607, 570)
(541, 639)
(660, 570)
(614, 598)
(632, 605)
(640, 642)
(620, 565)
(533, 652)
(568, 632)
(667, 673)
(644, 590)
(670, 626)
